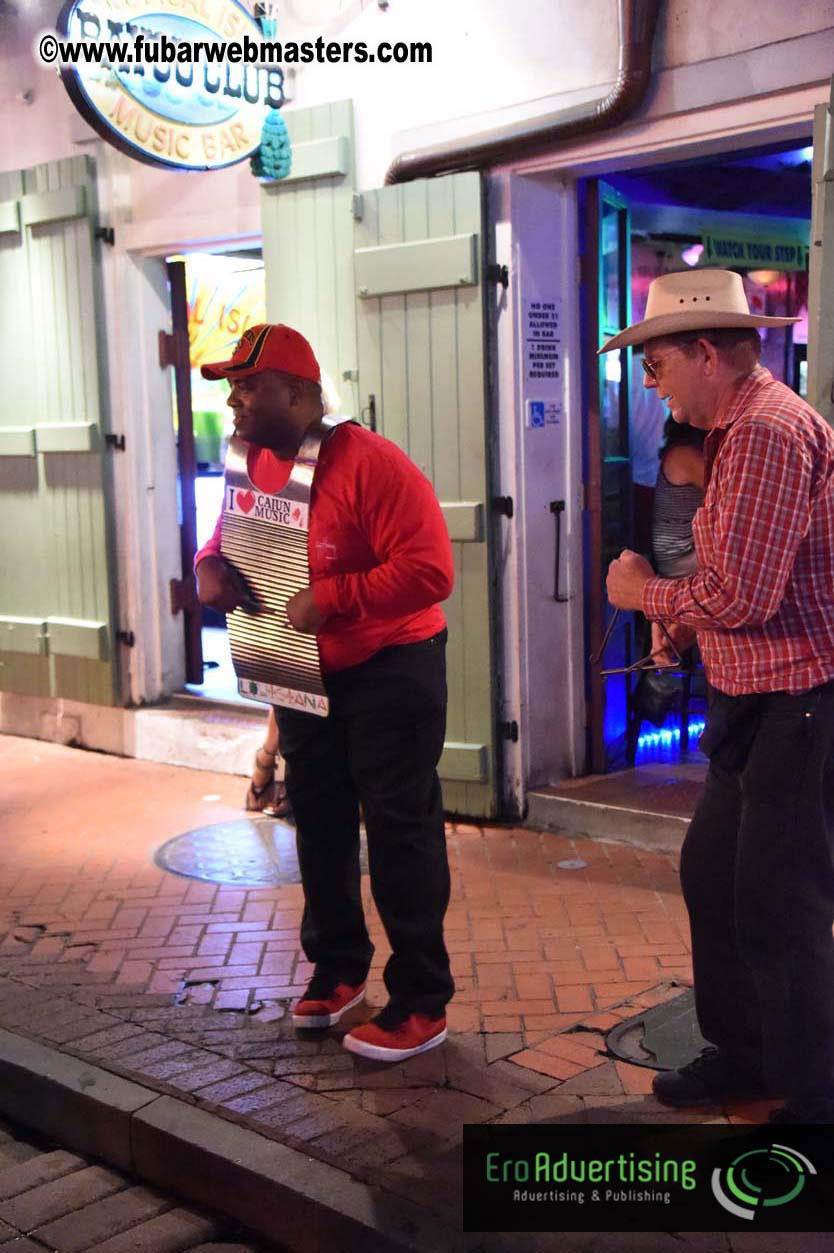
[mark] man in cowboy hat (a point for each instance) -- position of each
(380, 562)
(757, 864)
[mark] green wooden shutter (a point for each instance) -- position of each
(308, 241)
(56, 616)
(420, 315)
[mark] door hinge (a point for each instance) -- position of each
(115, 441)
(183, 595)
(173, 349)
(498, 274)
(127, 638)
(357, 206)
(106, 234)
(503, 505)
(508, 731)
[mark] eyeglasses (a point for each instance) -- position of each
(651, 367)
(645, 663)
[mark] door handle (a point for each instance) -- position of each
(370, 410)
(557, 508)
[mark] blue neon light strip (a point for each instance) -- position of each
(668, 736)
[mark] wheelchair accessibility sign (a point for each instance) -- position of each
(543, 413)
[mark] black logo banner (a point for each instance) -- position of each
(670, 1177)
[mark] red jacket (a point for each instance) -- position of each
(379, 552)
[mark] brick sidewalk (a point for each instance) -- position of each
(186, 986)
(50, 1199)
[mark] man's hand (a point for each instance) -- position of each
(304, 614)
(627, 576)
(222, 587)
(683, 637)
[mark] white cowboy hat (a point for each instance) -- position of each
(695, 300)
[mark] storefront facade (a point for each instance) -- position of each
(429, 303)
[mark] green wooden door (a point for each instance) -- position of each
(820, 390)
(307, 221)
(56, 605)
(608, 484)
(420, 330)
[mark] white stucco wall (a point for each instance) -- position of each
(493, 63)
(542, 663)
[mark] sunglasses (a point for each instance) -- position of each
(645, 663)
(651, 367)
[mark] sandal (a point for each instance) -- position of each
(279, 806)
(269, 796)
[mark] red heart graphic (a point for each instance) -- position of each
(246, 501)
(296, 514)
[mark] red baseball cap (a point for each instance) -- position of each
(267, 347)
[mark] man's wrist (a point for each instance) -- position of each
(655, 597)
(324, 596)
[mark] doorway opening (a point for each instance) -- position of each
(748, 211)
(224, 294)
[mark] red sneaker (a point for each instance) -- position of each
(324, 1002)
(395, 1035)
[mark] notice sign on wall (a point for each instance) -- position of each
(542, 340)
(543, 370)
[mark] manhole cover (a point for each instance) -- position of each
(253, 852)
(663, 1038)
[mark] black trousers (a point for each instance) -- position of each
(757, 870)
(378, 747)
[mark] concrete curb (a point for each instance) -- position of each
(278, 1192)
(641, 828)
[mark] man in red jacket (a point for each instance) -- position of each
(380, 561)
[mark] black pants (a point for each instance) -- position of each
(378, 747)
(757, 870)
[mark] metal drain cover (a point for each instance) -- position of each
(255, 852)
(663, 1038)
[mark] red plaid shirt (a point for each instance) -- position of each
(762, 601)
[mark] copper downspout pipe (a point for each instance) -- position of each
(637, 21)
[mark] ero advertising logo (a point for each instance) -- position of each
(646, 1177)
(768, 1176)
(184, 114)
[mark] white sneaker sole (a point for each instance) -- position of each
(316, 1021)
(378, 1053)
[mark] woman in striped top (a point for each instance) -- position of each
(679, 493)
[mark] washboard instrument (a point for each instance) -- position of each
(264, 535)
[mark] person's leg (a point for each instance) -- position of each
(395, 713)
(726, 1000)
(324, 801)
(785, 889)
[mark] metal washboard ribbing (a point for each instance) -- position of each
(56, 594)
